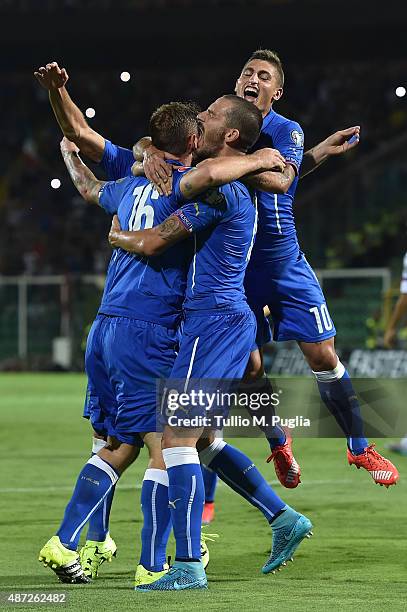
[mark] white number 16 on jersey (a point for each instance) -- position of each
(141, 209)
(322, 318)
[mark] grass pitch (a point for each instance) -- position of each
(357, 559)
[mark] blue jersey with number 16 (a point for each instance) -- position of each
(151, 289)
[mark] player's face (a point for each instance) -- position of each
(259, 83)
(213, 129)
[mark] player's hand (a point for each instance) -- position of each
(389, 339)
(67, 146)
(342, 141)
(114, 231)
(137, 169)
(51, 76)
(270, 159)
(157, 170)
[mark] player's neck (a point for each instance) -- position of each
(185, 160)
(267, 110)
(228, 151)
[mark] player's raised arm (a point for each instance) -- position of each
(70, 118)
(340, 142)
(83, 178)
(150, 242)
(222, 170)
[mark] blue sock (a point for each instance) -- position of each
(98, 526)
(210, 481)
(186, 497)
(240, 473)
(274, 433)
(157, 519)
(337, 393)
(94, 483)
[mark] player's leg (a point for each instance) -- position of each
(186, 497)
(258, 287)
(156, 515)
(99, 403)
(337, 393)
(239, 472)
(256, 382)
(99, 546)
(94, 483)
(210, 481)
(136, 377)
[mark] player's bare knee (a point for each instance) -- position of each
(118, 454)
(323, 358)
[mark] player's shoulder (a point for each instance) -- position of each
(122, 186)
(280, 123)
(236, 196)
(127, 182)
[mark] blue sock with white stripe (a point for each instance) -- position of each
(239, 472)
(210, 481)
(186, 498)
(338, 395)
(94, 483)
(157, 519)
(98, 526)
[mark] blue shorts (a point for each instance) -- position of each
(124, 358)
(215, 346)
(294, 296)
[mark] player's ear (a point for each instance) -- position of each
(192, 143)
(278, 93)
(232, 136)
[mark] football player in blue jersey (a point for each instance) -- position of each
(117, 162)
(218, 334)
(279, 276)
(133, 340)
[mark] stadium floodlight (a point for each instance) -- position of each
(125, 76)
(400, 92)
(55, 183)
(90, 112)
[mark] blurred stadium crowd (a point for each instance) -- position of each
(47, 231)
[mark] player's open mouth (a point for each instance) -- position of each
(251, 94)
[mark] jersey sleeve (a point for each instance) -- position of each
(289, 140)
(197, 216)
(403, 284)
(111, 195)
(116, 161)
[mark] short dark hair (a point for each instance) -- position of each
(171, 124)
(245, 117)
(272, 58)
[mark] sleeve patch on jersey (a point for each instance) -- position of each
(214, 198)
(184, 220)
(297, 138)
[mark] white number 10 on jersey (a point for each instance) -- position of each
(141, 209)
(322, 318)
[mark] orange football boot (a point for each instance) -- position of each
(287, 469)
(381, 470)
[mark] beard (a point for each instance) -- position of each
(209, 147)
